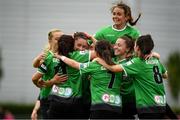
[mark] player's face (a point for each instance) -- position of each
(120, 47)
(81, 44)
(118, 16)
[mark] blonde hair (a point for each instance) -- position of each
(50, 35)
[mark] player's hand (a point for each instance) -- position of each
(60, 78)
(41, 83)
(152, 54)
(88, 35)
(56, 55)
(41, 56)
(99, 60)
(34, 115)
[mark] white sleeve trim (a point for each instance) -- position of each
(80, 68)
(89, 56)
(124, 70)
(40, 72)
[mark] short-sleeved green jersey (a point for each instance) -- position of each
(47, 68)
(148, 84)
(111, 34)
(105, 87)
(127, 88)
(72, 88)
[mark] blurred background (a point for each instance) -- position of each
(24, 25)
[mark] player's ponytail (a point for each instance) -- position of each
(131, 20)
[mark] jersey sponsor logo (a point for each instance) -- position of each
(60, 91)
(117, 99)
(55, 89)
(68, 92)
(114, 99)
(160, 100)
(105, 98)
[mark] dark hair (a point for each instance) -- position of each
(65, 46)
(78, 35)
(145, 44)
(104, 50)
(129, 42)
(127, 12)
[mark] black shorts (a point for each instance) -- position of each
(44, 107)
(129, 107)
(104, 114)
(60, 109)
(151, 116)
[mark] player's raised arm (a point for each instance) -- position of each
(113, 68)
(68, 61)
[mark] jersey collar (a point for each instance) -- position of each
(118, 29)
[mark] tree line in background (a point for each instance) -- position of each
(173, 67)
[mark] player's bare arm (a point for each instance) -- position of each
(113, 68)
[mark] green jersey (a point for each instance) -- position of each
(148, 84)
(126, 89)
(105, 87)
(111, 34)
(48, 70)
(72, 88)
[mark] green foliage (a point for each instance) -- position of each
(20, 111)
(173, 67)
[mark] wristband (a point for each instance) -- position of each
(62, 58)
